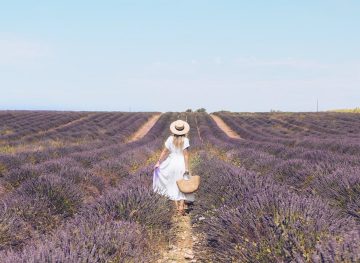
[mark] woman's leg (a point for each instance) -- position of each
(181, 206)
(177, 205)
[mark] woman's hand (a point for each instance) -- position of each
(163, 153)
(156, 165)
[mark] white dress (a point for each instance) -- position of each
(171, 170)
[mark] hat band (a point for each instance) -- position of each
(179, 128)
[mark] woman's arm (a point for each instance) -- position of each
(186, 157)
(164, 152)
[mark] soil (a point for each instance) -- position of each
(223, 126)
(180, 250)
(145, 128)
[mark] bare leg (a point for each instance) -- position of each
(178, 207)
(181, 206)
(186, 206)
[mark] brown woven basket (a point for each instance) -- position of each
(189, 186)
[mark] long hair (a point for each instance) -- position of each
(178, 140)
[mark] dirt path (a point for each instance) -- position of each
(222, 125)
(144, 129)
(180, 249)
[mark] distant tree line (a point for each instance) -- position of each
(198, 110)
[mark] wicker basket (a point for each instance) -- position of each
(190, 185)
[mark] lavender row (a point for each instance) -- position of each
(125, 224)
(124, 130)
(249, 217)
(94, 126)
(275, 207)
(297, 168)
(16, 124)
(344, 142)
(324, 124)
(53, 192)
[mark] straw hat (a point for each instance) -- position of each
(179, 127)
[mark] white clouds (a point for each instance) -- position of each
(159, 64)
(19, 51)
(176, 83)
(252, 62)
(218, 60)
(282, 62)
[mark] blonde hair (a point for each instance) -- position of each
(178, 140)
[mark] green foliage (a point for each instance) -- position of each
(201, 110)
(272, 110)
(3, 169)
(195, 161)
(355, 110)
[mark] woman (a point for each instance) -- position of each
(170, 170)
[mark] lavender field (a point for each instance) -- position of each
(74, 187)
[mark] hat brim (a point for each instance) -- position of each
(182, 132)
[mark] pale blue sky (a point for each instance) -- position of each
(173, 55)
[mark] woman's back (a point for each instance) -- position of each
(172, 148)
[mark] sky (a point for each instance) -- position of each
(252, 56)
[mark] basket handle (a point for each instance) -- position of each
(186, 175)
